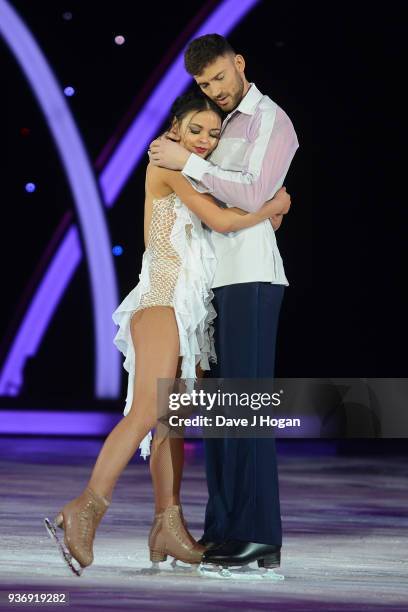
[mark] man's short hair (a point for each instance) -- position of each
(204, 50)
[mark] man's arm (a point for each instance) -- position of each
(221, 220)
(268, 159)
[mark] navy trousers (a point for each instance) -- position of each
(242, 475)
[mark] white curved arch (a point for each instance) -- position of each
(85, 193)
(222, 20)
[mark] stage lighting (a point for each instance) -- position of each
(30, 187)
(69, 91)
(117, 250)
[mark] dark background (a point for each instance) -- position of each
(335, 68)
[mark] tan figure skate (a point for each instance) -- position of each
(169, 536)
(79, 519)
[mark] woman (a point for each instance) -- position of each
(166, 322)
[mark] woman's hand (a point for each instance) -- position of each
(279, 205)
(283, 197)
(276, 221)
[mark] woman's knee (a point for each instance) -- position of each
(140, 420)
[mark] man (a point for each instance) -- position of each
(257, 145)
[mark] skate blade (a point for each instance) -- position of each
(176, 568)
(239, 573)
(66, 555)
(181, 566)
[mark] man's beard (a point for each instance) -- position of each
(237, 97)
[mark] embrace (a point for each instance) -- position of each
(208, 299)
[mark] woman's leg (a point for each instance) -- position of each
(166, 465)
(156, 341)
(167, 459)
(166, 468)
(169, 533)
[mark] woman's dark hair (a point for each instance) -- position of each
(193, 100)
(204, 50)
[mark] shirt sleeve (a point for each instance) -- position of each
(273, 143)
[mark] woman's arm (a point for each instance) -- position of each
(221, 220)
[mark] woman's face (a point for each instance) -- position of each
(200, 131)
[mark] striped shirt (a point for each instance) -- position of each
(249, 165)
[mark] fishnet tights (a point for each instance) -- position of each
(166, 469)
(167, 459)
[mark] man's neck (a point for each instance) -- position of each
(246, 89)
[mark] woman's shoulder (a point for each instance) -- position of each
(157, 173)
(156, 182)
(154, 173)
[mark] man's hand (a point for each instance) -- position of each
(168, 154)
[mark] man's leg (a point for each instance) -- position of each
(242, 473)
(216, 510)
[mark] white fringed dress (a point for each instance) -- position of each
(178, 268)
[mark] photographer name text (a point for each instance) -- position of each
(222, 421)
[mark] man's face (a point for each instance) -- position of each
(223, 81)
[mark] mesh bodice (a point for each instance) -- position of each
(165, 262)
(161, 225)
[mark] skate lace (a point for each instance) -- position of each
(175, 523)
(87, 521)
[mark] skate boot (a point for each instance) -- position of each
(169, 536)
(232, 560)
(79, 519)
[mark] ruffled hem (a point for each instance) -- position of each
(193, 294)
(192, 299)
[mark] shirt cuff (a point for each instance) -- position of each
(197, 185)
(196, 166)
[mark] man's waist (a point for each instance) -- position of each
(224, 277)
(260, 236)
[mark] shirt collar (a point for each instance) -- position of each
(249, 101)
